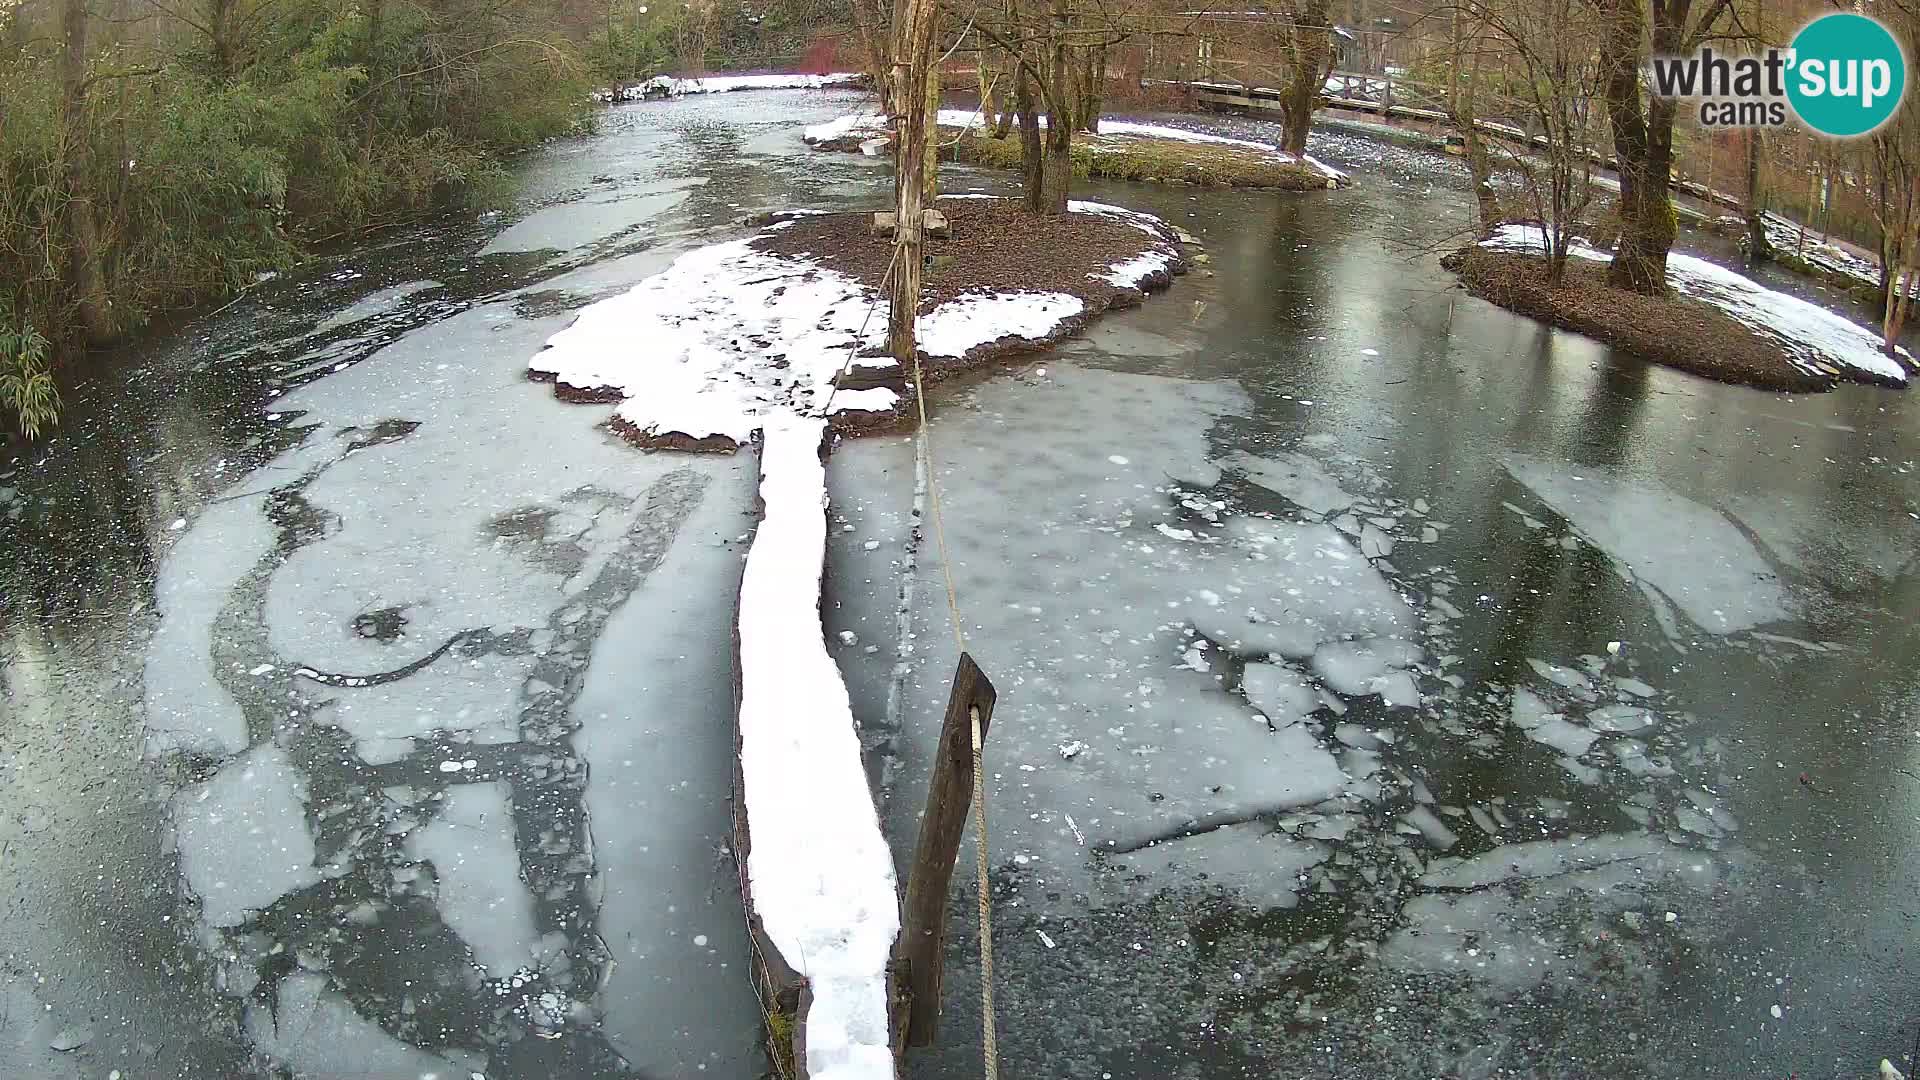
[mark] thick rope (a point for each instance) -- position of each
(989, 1041)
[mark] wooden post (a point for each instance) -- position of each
(919, 958)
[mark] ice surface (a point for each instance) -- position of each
(1372, 666)
(1078, 608)
(315, 1033)
(1258, 866)
(1282, 694)
(186, 707)
(1545, 726)
(1620, 718)
(243, 836)
(1296, 477)
(820, 874)
(1318, 586)
(1690, 553)
(656, 730)
(1508, 923)
(471, 846)
(1816, 340)
(1431, 827)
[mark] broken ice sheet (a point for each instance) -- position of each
(243, 836)
(1247, 860)
(1504, 916)
(1297, 478)
(481, 896)
(1690, 553)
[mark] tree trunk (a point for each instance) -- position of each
(84, 277)
(930, 167)
(1031, 164)
(1759, 248)
(1645, 155)
(912, 57)
(1312, 46)
(1056, 175)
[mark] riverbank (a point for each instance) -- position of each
(792, 319)
(1119, 150)
(1713, 322)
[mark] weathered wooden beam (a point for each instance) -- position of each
(919, 958)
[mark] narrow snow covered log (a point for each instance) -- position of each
(817, 876)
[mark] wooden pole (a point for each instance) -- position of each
(920, 956)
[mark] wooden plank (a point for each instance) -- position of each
(920, 956)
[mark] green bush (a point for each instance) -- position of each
(205, 166)
(27, 392)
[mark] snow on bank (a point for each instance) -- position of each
(820, 872)
(1815, 340)
(665, 86)
(729, 335)
(869, 123)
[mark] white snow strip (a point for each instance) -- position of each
(821, 874)
(1129, 273)
(864, 123)
(668, 86)
(1816, 340)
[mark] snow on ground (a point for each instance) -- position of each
(870, 123)
(1786, 236)
(1677, 550)
(1816, 340)
(667, 86)
(729, 335)
(820, 873)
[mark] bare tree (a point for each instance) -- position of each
(1552, 84)
(1643, 126)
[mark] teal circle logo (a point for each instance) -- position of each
(1848, 75)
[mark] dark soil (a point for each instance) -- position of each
(994, 246)
(1674, 330)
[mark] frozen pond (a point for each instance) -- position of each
(1388, 685)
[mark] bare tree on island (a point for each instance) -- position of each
(1550, 80)
(1643, 125)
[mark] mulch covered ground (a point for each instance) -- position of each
(994, 246)
(1674, 330)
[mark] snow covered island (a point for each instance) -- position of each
(1715, 322)
(791, 320)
